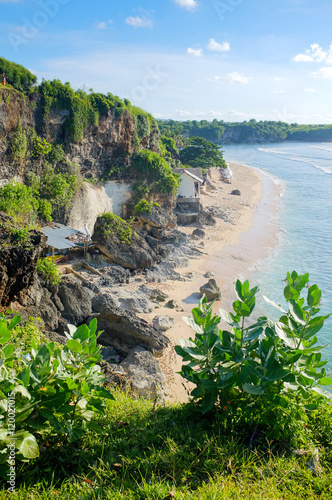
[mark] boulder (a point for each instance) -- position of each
(237, 192)
(76, 300)
(199, 233)
(209, 274)
(145, 374)
(211, 290)
(163, 323)
(158, 218)
(132, 301)
(154, 294)
(124, 330)
(171, 304)
(122, 245)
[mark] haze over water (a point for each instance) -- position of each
(305, 220)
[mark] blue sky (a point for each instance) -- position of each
(183, 59)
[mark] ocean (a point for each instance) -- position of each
(304, 171)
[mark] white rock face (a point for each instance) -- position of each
(92, 201)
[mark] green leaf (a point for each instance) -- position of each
(274, 304)
(314, 296)
(325, 381)
(284, 335)
(291, 293)
(228, 318)
(26, 443)
(190, 322)
(241, 308)
(82, 333)
(297, 312)
(74, 345)
(255, 390)
(24, 376)
(5, 334)
(15, 321)
(208, 402)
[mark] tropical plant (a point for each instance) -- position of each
(49, 271)
(58, 391)
(266, 360)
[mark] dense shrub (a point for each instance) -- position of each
(17, 76)
(49, 271)
(152, 166)
(111, 223)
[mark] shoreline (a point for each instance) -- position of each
(231, 250)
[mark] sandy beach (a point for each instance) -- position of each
(232, 249)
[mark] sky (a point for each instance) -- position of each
(232, 60)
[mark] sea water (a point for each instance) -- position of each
(305, 220)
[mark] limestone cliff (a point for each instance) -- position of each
(104, 148)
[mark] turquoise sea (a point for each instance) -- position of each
(305, 219)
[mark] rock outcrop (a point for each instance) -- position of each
(123, 329)
(145, 374)
(19, 252)
(211, 290)
(129, 250)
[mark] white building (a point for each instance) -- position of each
(190, 184)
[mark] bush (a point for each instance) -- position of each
(40, 147)
(19, 201)
(144, 207)
(19, 143)
(58, 392)
(49, 271)
(111, 223)
(263, 369)
(152, 166)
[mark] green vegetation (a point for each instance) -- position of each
(266, 370)
(19, 143)
(19, 202)
(248, 131)
(111, 223)
(21, 237)
(144, 207)
(200, 153)
(17, 76)
(40, 147)
(56, 392)
(152, 166)
(49, 271)
(72, 442)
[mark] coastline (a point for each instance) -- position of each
(233, 248)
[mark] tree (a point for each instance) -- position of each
(202, 154)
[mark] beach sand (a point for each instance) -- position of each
(232, 250)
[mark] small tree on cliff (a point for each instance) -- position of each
(201, 153)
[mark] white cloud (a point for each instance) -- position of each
(309, 90)
(218, 47)
(233, 78)
(102, 25)
(139, 22)
(325, 72)
(195, 52)
(315, 54)
(237, 114)
(187, 4)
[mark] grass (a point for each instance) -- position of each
(170, 452)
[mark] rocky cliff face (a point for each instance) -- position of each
(103, 148)
(19, 253)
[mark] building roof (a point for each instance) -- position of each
(57, 236)
(185, 171)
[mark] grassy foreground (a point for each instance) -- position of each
(173, 452)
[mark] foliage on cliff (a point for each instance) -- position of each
(155, 169)
(16, 75)
(244, 132)
(200, 153)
